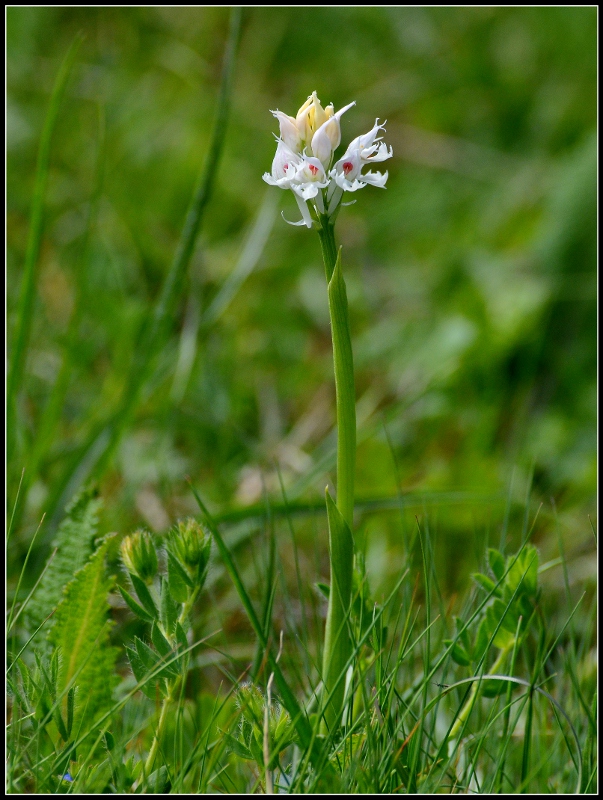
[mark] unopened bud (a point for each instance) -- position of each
(139, 555)
(191, 546)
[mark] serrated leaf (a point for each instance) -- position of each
(496, 561)
(58, 721)
(54, 671)
(141, 674)
(148, 657)
(14, 691)
(70, 709)
(237, 747)
(81, 633)
(144, 595)
(178, 580)
(151, 660)
(170, 610)
(26, 678)
(140, 612)
(74, 543)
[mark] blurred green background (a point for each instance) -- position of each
(471, 279)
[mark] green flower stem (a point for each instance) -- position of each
(338, 642)
(175, 687)
(344, 373)
(467, 708)
(160, 726)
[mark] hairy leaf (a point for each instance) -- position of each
(81, 632)
(74, 543)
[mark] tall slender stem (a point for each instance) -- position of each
(338, 641)
(344, 376)
(167, 701)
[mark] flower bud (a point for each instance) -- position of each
(139, 555)
(289, 131)
(328, 136)
(311, 116)
(191, 546)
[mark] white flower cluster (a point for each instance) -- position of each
(304, 155)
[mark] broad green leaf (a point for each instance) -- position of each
(81, 633)
(237, 747)
(497, 563)
(74, 543)
(148, 657)
(160, 642)
(141, 673)
(485, 582)
(523, 573)
(458, 653)
(499, 620)
(158, 781)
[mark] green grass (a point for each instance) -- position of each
(169, 338)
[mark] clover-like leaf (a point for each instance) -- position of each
(496, 560)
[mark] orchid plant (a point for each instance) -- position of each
(303, 162)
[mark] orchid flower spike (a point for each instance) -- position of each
(304, 155)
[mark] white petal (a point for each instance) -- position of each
(288, 221)
(378, 179)
(288, 129)
(382, 153)
(348, 186)
(305, 190)
(305, 211)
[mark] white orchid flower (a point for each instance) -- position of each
(367, 146)
(310, 178)
(346, 173)
(284, 166)
(304, 154)
(348, 176)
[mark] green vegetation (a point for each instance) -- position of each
(172, 414)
